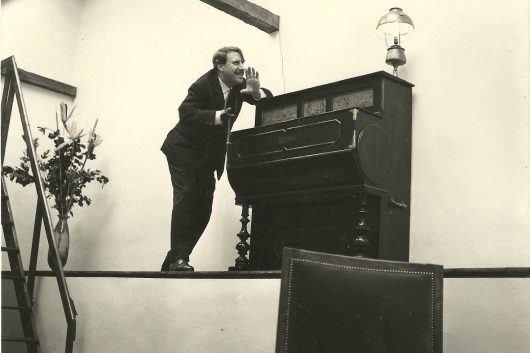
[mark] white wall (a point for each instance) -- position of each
(138, 315)
(42, 35)
(163, 315)
(43, 38)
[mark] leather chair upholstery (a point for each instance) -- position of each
(334, 304)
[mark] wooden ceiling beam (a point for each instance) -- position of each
(248, 12)
(46, 83)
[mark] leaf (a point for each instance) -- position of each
(64, 176)
(7, 169)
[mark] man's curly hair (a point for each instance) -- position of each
(219, 57)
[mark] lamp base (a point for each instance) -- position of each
(395, 57)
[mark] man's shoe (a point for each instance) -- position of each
(180, 265)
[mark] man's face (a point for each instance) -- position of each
(233, 72)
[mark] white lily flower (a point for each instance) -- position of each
(73, 135)
(72, 131)
(97, 140)
(94, 141)
(63, 112)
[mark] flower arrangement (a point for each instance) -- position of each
(63, 169)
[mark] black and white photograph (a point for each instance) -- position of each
(257, 176)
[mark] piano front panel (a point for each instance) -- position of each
(318, 226)
(340, 149)
(293, 140)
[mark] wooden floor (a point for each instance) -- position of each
(507, 272)
(160, 274)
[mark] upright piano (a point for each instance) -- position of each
(326, 169)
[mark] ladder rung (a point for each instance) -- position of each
(19, 339)
(13, 277)
(8, 248)
(11, 307)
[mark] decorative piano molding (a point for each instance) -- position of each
(248, 12)
(307, 136)
(374, 154)
(243, 247)
(46, 83)
(361, 244)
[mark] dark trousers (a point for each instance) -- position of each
(192, 206)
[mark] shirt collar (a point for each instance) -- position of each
(224, 87)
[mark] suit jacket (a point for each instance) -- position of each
(195, 141)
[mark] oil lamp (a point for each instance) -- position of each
(392, 26)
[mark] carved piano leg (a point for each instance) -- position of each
(361, 244)
(242, 247)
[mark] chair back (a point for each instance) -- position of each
(335, 304)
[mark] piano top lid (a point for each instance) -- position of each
(385, 75)
(382, 74)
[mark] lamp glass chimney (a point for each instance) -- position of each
(393, 25)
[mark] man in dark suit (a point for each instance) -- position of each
(196, 147)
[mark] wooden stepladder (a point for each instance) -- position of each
(24, 282)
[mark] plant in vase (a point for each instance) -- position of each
(63, 170)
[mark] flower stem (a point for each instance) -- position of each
(61, 200)
(71, 198)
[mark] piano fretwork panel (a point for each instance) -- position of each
(314, 106)
(360, 99)
(277, 115)
(359, 92)
(328, 168)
